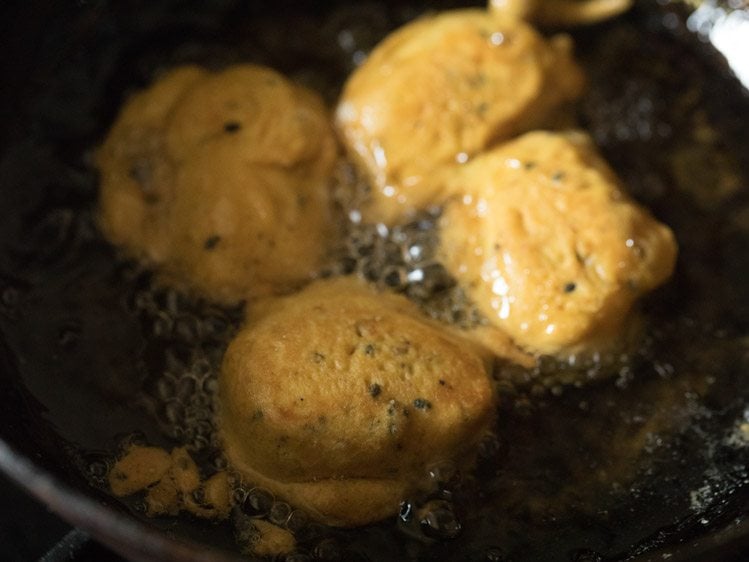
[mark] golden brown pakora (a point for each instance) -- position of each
(560, 12)
(442, 89)
(340, 398)
(221, 180)
(548, 245)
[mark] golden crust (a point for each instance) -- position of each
(548, 245)
(136, 173)
(442, 89)
(339, 390)
(560, 12)
(221, 180)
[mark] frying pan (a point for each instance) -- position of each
(78, 353)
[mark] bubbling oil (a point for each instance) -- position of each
(187, 338)
(400, 258)
(528, 477)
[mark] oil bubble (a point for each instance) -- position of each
(258, 502)
(438, 521)
(185, 388)
(279, 513)
(493, 554)
(441, 473)
(585, 555)
(489, 446)
(296, 521)
(298, 557)
(328, 550)
(174, 412)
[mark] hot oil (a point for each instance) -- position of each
(593, 465)
(399, 258)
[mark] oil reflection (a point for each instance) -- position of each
(726, 26)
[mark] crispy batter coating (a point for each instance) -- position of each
(339, 399)
(560, 12)
(442, 89)
(136, 173)
(549, 246)
(221, 180)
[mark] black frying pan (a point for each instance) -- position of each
(78, 353)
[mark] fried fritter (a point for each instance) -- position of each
(340, 398)
(221, 180)
(549, 246)
(560, 12)
(442, 89)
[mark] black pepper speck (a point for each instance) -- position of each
(211, 242)
(422, 404)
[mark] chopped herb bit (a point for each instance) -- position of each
(442, 382)
(557, 177)
(318, 357)
(375, 390)
(211, 242)
(477, 80)
(422, 404)
(530, 165)
(570, 287)
(369, 350)
(142, 171)
(232, 126)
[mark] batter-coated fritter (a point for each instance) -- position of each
(549, 246)
(340, 398)
(560, 12)
(442, 89)
(221, 180)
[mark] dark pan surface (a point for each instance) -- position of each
(80, 353)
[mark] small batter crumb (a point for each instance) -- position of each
(139, 468)
(171, 482)
(270, 540)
